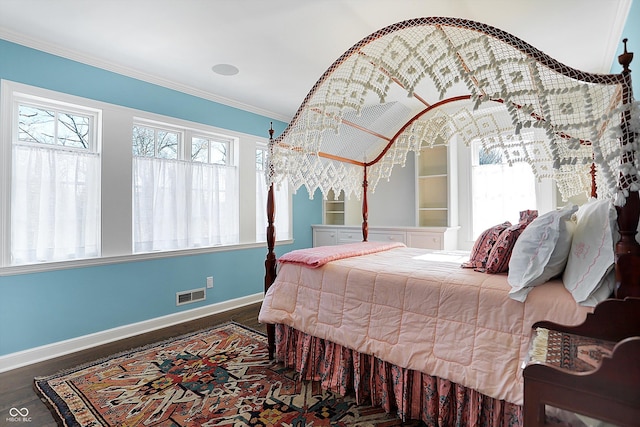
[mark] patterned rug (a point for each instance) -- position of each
(568, 351)
(216, 377)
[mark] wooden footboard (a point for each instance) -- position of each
(611, 392)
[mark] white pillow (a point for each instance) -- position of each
(541, 251)
(603, 290)
(592, 253)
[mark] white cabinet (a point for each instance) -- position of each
(377, 235)
(325, 237)
(439, 238)
(436, 208)
(349, 235)
(443, 238)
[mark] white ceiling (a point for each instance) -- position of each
(282, 46)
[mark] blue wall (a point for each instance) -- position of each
(632, 32)
(42, 308)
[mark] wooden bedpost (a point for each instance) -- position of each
(270, 262)
(365, 207)
(627, 248)
(594, 186)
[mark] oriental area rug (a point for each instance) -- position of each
(221, 376)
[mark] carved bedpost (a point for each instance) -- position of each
(627, 248)
(270, 262)
(594, 186)
(365, 207)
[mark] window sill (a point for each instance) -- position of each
(79, 263)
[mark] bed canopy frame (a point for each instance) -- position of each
(421, 82)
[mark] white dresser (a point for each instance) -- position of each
(441, 238)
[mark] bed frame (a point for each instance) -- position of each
(611, 392)
(627, 249)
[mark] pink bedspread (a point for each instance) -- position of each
(421, 312)
(319, 256)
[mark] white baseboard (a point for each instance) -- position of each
(50, 351)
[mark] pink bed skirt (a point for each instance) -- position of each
(411, 394)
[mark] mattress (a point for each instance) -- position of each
(419, 310)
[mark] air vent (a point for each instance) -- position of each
(187, 297)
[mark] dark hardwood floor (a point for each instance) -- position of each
(16, 386)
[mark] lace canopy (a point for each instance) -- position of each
(418, 83)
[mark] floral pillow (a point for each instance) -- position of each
(483, 244)
(528, 216)
(500, 255)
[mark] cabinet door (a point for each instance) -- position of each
(325, 237)
(349, 236)
(382, 236)
(425, 240)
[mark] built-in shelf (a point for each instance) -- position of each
(334, 209)
(433, 187)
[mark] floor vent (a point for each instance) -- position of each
(187, 297)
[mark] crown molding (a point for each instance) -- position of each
(614, 44)
(93, 61)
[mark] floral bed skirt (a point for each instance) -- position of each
(411, 394)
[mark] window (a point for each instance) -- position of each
(281, 198)
(153, 142)
(84, 182)
(55, 181)
(210, 150)
(185, 195)
(499, 191)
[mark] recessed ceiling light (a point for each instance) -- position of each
(225, 69)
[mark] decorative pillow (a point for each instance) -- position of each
(498, 261)
(592, 253)
(541, 251)
(483, 245)
(528, 216)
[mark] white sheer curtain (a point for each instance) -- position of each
(500, 192)
(281, 198)
(55, 204)
(179, 205)
(215, 218)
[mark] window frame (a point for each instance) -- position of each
(156, 126)
(229, 141)
(117, 182)
(546, 194)
(12, 97)
(184, 154)
(504, 168)
(94, 115)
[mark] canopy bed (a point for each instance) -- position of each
(410, 329)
